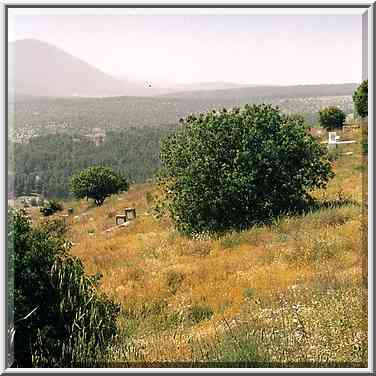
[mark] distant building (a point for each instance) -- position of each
(98, 136)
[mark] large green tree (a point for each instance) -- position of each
(360, 99)
(97, 182)
(331, 118)
(231, 169)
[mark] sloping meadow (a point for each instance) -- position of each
(293, 293)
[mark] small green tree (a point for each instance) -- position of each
(360, 99)
(60, 317)
(331, 118)
(231, 169)
(97, 183)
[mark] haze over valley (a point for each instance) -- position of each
(51, 91)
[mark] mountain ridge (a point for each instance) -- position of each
(41, 69)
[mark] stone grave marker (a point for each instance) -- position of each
(130, 213)
(334, 140)
(332, 137)
(120, 219)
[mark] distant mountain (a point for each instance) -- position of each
(252, 92)
(41, 69)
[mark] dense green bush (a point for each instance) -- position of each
(52, 207)
(61, 319)
(97, 182)
(360, 99)
(231, 169)
(331, 118)
(365, 140)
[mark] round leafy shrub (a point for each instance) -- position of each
(52, 207)
(98, 183)
(331, 118)
(60, 317)
(360, 99)
(231, 169)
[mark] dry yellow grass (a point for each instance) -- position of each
(296, 285)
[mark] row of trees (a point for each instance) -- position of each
(332, 117)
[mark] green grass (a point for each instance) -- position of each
(199, 313)
(235, 348)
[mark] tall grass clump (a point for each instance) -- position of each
(235, 348)
(60, 317)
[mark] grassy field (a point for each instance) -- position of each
(293, 293)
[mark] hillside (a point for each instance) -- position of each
(41, 69)
(46, 163)
(59, 136)
(151, 89)
(241, 93)
(216, 85)
(289, 294)
(30, 117)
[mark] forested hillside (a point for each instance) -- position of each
(30, 117)
(54, 137)
(46, 163)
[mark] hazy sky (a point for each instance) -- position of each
(254, 49)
